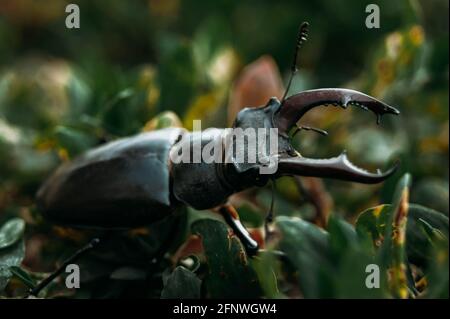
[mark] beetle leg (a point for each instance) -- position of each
(231, 217)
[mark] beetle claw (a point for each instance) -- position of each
(337, 167)
(292, 110)
(294, 107)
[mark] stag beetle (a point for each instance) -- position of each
(134, 181)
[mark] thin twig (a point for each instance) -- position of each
(44, 283)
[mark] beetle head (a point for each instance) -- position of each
(283, 117)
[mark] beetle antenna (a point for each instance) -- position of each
(302, 37)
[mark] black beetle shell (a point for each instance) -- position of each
(121, 184)
(200, 185)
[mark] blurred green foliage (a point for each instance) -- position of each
(65, 91)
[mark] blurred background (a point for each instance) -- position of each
(63, 91)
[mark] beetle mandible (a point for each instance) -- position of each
(133, 181)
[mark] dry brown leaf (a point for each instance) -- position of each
(257, 83)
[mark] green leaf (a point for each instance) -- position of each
(418, 245)
(402, 231)
(307, 247)
(343, 236)
(23, 276)
(350, 258)
(177, 62)
(372, 223)
(432, 233)
(73, 140)
(181, 284)
(11, 232)
(349, 279)
(230, 275)
(438, 275)
(10, 256)
(433, 193)
(266, 268)
(392, 252)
